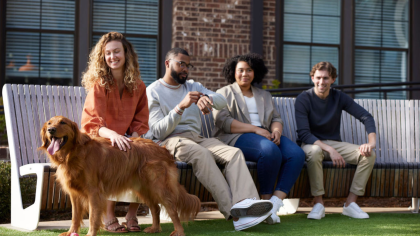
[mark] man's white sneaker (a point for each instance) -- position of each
(354, 211)
(249, 221)
(318, 212)
(251, 207)
(274, 218)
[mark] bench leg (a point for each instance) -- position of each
(415, 205)
(290, 206)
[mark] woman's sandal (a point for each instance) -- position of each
(115, 228)
(134, 227)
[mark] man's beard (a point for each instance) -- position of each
(177, 77)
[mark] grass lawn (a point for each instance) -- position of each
(297, 224)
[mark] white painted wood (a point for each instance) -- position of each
(27, 218)
(29, 127)
(399, 129)
(410, 127)
(390, 134)
(403, 133)
(290, 106)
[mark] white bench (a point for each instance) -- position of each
(27, 107)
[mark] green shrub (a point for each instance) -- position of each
(27, 186)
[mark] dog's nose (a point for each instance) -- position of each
(51, 130)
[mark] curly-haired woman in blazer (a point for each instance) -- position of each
(251, 123)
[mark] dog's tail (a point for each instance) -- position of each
(188, 205)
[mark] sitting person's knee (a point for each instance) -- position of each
(313, 153)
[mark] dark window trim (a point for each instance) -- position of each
(84, 24)
(414, 59)
(165, 34)
(279, 41)
(2, 43)
(257, 22)
(96, 33)
(347, 41)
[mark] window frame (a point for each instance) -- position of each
(128, 35)
(4, 30)
(280, 42)
(348, 47)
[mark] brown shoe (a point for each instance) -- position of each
(132, 224)
(116, 228)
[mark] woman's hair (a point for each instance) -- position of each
(254, 60)
(98, 71)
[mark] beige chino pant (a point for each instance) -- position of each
(203, 153)
(350, 153)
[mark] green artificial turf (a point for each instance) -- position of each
(297, 224)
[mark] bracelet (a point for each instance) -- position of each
(277, 131)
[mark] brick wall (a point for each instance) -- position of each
(215, 30)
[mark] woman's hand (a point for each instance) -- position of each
(275, 136)
(121, 141)
(263, 132)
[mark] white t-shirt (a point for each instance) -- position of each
(253, 111)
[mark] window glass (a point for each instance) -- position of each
(311, 34)
(381, 45)
(138, 20)
(40, 41)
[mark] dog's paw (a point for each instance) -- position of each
(65, 234)
(176, 233)
(152, 229)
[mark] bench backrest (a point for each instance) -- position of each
(28, 107)
(397, 124)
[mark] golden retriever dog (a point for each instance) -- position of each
(90, 170)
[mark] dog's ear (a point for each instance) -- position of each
(44, 138)
(79, 137)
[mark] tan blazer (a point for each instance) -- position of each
(237, 109)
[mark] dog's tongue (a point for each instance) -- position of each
(54, 146)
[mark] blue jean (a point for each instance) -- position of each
(282, 163)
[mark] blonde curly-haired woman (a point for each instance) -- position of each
(115, 106)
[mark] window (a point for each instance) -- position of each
(311, 34)
(40, 41)
(381, 44)
(138, 20)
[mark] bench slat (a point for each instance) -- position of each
(13, 112)
(412, 129)
(30, 132)
(23, 133)
(37, 124)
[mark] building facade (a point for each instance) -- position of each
(369, 41)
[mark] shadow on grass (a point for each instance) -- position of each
(332, 224)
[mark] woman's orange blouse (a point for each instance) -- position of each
(104, 108)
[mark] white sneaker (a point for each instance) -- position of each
(318, 212)
(251, 207)
(354, 211)
(249, 221)
(274, 218)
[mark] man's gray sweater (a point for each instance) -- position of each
(166, 118)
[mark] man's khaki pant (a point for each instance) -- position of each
(203, 153)
(350, 153)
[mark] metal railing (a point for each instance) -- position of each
(350, 89)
